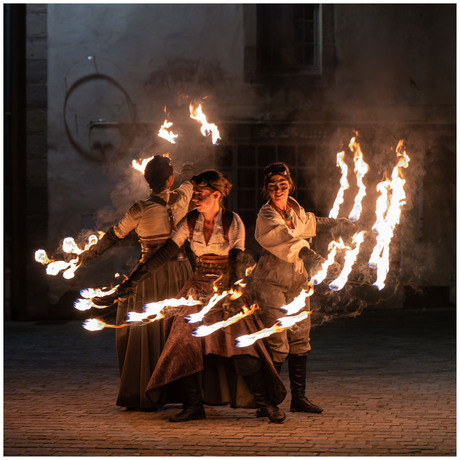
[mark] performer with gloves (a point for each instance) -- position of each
(283, 229)
(211, 369)
(139, 347)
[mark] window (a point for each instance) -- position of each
(289, 44)
(288, 39)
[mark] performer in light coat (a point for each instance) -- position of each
(284, 230)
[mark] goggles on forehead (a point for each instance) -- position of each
(274, 169)
(202, 182)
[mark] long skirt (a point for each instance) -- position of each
(185, 354)
(139, 346)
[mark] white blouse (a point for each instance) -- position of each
(284, 242)
(217, 243)
(150, 219)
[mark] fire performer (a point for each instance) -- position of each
(217, 240)
(284, 268)
(139, 347)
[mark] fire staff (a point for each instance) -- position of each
(212, 366)
(139, 347)
(283, 229)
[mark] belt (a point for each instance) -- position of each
(211, 264)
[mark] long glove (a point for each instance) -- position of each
(155, 261)
(106, 242)
(235, 266)
(312, 261)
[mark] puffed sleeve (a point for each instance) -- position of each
(180, 232)
(185, 190)
(129, 221)
(274, 236)
(236, 233)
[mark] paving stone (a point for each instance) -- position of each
(386, 381)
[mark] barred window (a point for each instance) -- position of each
(288, 39)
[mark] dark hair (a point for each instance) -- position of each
(158, 170)
(214, 180)
(274, 169)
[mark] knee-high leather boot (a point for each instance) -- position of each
(256, 385)
(193, 405)
(297, 376)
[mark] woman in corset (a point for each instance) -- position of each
(153, 219)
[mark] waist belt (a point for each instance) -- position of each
(211, 264)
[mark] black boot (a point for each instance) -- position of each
(297, 376)
(265, 408)
(193, 406)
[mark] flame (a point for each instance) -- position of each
(361, 169)
(196, 317)
(299, 302)
(388, 216)
(68, 246)
(280, 325)
(168, 135)
(95, 324)
(343, 185)
(203, 330)
(350, 258)
(40, 256)
(90, 293)
(87, 304)
(333, 246)
(154, 308)
(141, 166)
(196, 113)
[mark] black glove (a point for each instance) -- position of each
(325, 223)
(345, 228)
(312, 261)
(235, 266)
(106, 242)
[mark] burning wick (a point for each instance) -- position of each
(196, 113)
(196, 317)
(280, 325)
(333, 246)
(350, 258)
(343, 185)
(168, 135)
(141, 166)
(202, 331)
(155, 308)
(94, 324)
(298, 303)
(388, 214)
(361, 168)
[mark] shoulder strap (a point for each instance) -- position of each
(192, 217)
(172, 199)
(227, 219)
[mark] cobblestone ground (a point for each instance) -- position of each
(385, 379)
